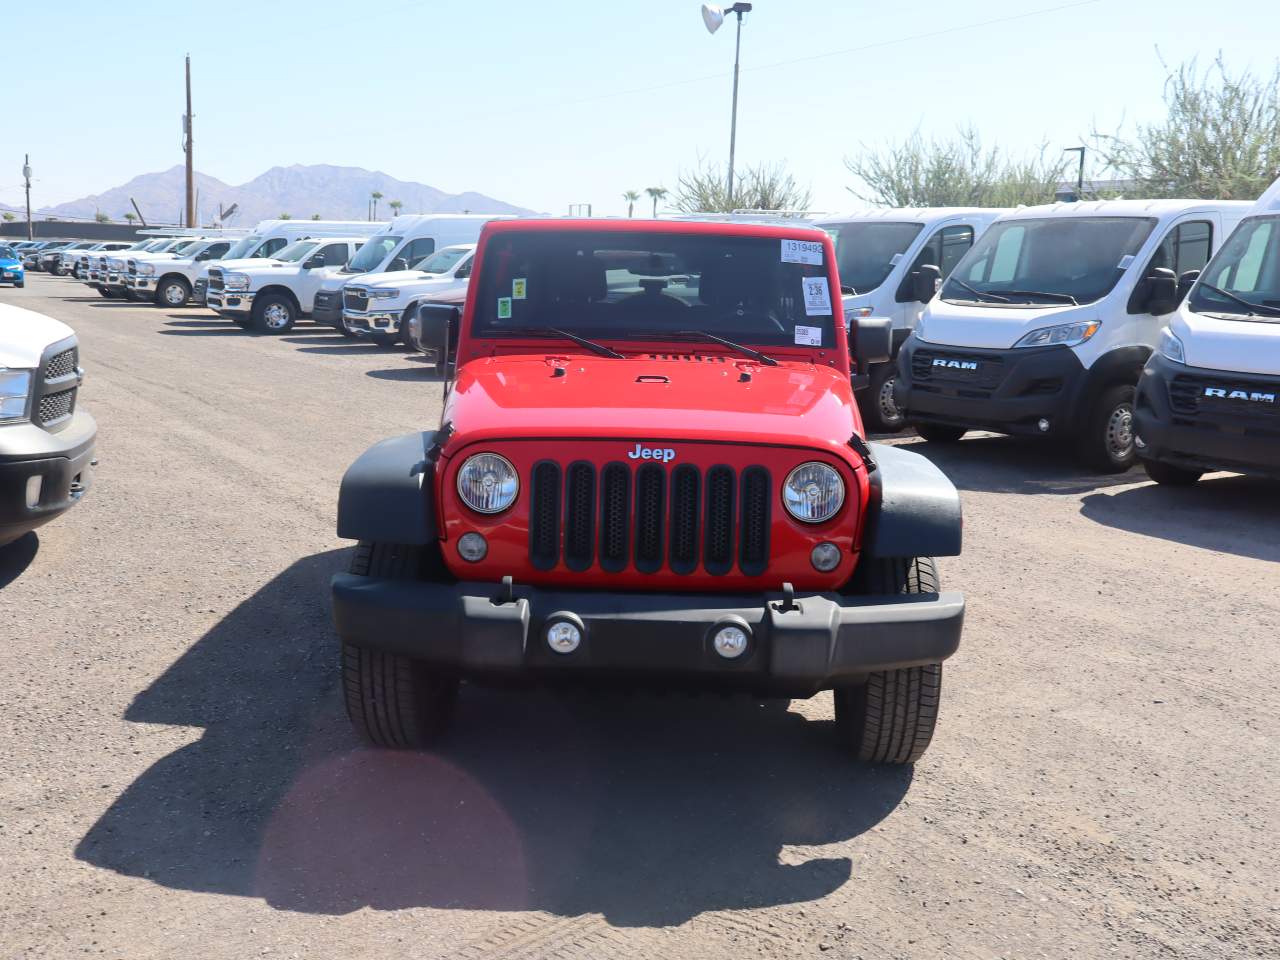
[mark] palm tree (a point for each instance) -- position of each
(101, 217)
(395, 206)
(286, 216)
(131, 217)
(656, 193)
(9, 217)
(376, 197)
(631, 196)
(315, 216)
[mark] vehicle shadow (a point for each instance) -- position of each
(1226, 514)
(337, 345)
(16, 557)
(998, 464)
(410, 374)
(648, 810)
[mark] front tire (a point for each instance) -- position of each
(1105, 441)
(274, 313)
(173, 292)
(1168, 475)
(880, 412)
(394, 701)
(939, 432)
(891, 717)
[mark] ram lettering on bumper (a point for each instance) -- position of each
(816, 642)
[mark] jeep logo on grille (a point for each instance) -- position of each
(1222, 393)
(955, 364)
(641, 452)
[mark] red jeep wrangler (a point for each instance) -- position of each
(650, 467)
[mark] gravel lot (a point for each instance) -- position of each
(179, 779)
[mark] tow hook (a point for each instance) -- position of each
(506, 593)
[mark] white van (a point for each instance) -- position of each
(1209, 397)
(1044, 327)
(879, 253)
(405, 241)
(269, 237)
(379, 305)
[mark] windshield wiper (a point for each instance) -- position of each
(982, 293)
(591, 345)
(1267, 310)
(1060, 297)
(753, 354)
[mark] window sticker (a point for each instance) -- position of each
(808, 336)
(1125, 262)
(504, 308)
(817, 297)
(895, 260)
(518, 286)
(802, 251)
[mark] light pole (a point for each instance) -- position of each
(713, 17)
(1080, 175)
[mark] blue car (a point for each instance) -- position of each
(11, 266)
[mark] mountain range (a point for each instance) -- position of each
(335, 193)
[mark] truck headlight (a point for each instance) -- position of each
(1171, 346)
(487, 483)
(146, 269)
(1066, 334)
(236, 281)
(15, 388)
(813, 492)
(383, 294)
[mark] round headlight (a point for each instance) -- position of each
(487, 483)
(813, 492)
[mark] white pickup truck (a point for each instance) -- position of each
(106, 269)
(378, 305)
(120, 268)
(272, 296)
(168, 282)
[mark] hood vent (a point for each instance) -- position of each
(692, 357)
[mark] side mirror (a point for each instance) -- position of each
(1186, 282)
(313, 261)
(872, 341)
(928, 281)
(1162, 291)
(430, 329)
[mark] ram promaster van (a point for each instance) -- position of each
(402, 243)
(1209, 397)
(1044, 326)
(269, 237)
(880, 253)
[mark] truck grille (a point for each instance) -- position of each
(60, 365)
(643, 518)
(985, 379)
(355, 299)
(1187, 398)
(215, 279)
(324, 300)
(55, 407)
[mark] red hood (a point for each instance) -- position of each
(648, 397)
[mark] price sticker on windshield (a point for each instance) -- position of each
(504, 308)
(817, 298)
(802, 251)
(808, 336)
(518, 287)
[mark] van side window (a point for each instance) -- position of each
(956, 242)
(214, 251)
(1185, 247)
(335, 255)
(415, 250)
(943, 250)
(464, 271)
(272, 247)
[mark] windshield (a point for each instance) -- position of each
(296, 251)
(1030, 262)
(649, 285)
(372, 254)
(1248, 266)
(865, 251)
(185, 246)
(7, 253)
(442, 261)
(240, 249)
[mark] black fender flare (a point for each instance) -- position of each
(914, 509)
(1122, 366)
(387, 494)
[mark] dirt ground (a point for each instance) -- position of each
(179, 780)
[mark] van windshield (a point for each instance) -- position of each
(1022, 263)
(865, 251)
(298, 250)
(372, 254)
(1245, 272)
(240, 249)
(647, 285)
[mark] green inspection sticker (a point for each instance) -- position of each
(504, 308)
(518, 288)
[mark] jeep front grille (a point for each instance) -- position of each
(646, 517)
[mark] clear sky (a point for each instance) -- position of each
(556, 102)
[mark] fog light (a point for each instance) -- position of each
(33, 491)
(564, 636)
(825, 557)
(1043, 424)
(730, 641)
(472, 547)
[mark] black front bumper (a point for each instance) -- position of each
(825, 640)
(328, 308)
(200, 292)
(62, 461)
(1178, 424)
(1010, 391)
